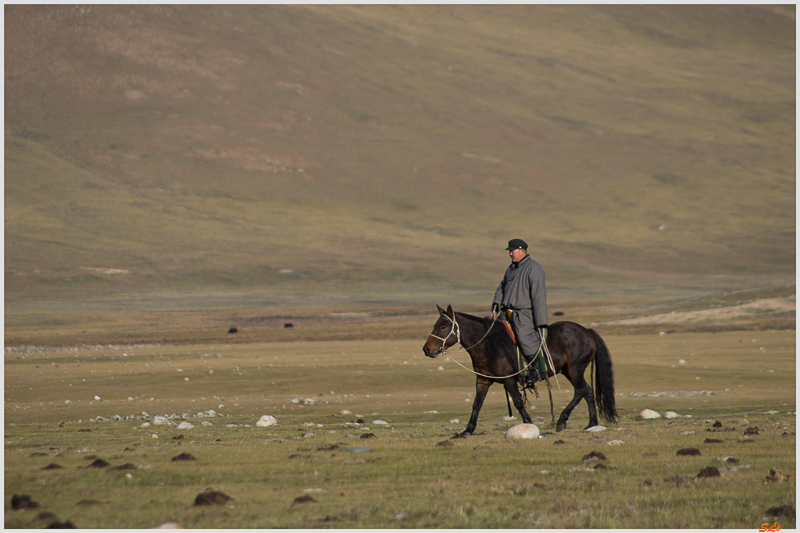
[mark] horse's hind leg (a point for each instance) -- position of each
(513, 390)
(588, 395)
(582, 391)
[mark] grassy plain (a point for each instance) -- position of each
(409, 479)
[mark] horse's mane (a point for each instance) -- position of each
(498, 343)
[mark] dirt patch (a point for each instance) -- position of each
(746, 310)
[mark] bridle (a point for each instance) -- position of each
(454, 328)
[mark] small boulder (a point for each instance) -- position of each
(523, 431)
(671, 414)
(266, 420)
(648, 414)
(185, 425)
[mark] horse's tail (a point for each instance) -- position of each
(604, 381)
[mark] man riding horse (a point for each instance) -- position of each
(523, 296)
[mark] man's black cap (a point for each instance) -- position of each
(515, 244)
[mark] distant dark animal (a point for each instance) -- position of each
(288, 325)
(494, 360)
(233, 330)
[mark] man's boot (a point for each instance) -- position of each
(534, 375)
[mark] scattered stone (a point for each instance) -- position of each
(523, 431)
(688, 451)
(52, 466)
(593, 457)
(185, 425)
(169, 525)
(687, 433)
(212, 497)
(380, 422)
(62, 525)
(709, 471)
(46, 516)
(648, 414)
(777, 475)
(728, 459)
(345, 412)
(146, 425)
(734, 468)
(671, 414)
(506, 418)
(184, 457)
(266, 421)
(305, 498)
(781, 510)
(596, 428)
(615, 442)
(206, 423)
(89, 503)
(23, 501)
(162, 421)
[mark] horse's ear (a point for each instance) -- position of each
(441, 311)
(450, 311)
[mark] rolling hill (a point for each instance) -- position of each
(340, 155)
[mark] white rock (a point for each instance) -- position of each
(647, 414)
(615, 442)
(206, 423)
(266, 420)
(507, 418)
(97, 398)
(146, 425)
(155, 436)
(345, 412)
(162, 421)
(523, 431)
(455, 421)
(309, 401)
(671, 414)
(380, 422)
(169, 525)
(596, 428)
(185, 425)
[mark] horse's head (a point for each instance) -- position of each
(445, 333)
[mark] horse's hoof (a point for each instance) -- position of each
(561, 427)
(466, 433)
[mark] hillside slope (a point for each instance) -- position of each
(327, 151)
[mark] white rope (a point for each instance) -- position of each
(457, 329)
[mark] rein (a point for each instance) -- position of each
(455, 328)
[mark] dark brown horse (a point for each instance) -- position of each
(494, 360)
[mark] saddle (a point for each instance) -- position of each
(538, 359)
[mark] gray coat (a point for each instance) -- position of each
(523, 290)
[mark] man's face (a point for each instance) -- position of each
(517, 255)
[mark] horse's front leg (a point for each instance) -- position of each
(513, 390)
(481, 388)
